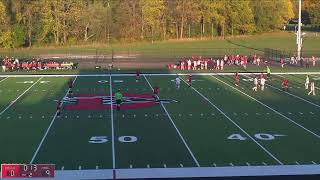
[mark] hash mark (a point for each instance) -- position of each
(212, 114)
(190, 114)
(248, 164)
(264, 163)
(164, 165)
(214, 164)
(231, 164)
(314, 162)
(268, 113)
(148, 166)
(181, 165)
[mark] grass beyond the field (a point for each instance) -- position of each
(248, 45)
(212, 124)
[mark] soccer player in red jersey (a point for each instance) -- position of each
(137, 75)
(237, 79)
(190, 80)
(59, 104)
(285, 84)
(155, 92)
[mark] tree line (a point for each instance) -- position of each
(24, 23)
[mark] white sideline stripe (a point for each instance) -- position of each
(275, 111)
(290, 94)
(112, 126)
(4, 79)
(233, 122)
(12, 102)
(152, 173)
(174, 125)
(48, 129)
(155, 74)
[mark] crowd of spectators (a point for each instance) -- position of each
(14, 64)
(199, 63)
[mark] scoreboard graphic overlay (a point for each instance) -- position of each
(27, 170)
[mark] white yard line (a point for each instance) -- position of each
(298, 97)
(112, 126)
(233, 122)
(174, 125)
(12, 102)
(48, 129)
(275, 111)
(4, 79)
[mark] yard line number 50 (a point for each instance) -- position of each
(104, 139)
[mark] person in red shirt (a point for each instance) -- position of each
(155, 92)
(261, 75)
(237, 79)
(190, 80)
(282, 62)
(137, 75)
(59, 104)
(285, 84)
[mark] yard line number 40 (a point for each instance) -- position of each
(259, 136)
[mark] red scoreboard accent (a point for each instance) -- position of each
(27, 170)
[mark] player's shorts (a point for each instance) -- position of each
(118, 101)
(268, 74)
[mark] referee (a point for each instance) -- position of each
(118, 97)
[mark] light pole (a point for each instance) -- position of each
(299, 38)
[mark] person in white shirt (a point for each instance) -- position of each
(307, 82)
(194, 65)
(262, 82)
(221, 64)
(189, 64)
(206, 64)
(255, 83)
(218, 64)
(178, 81)
(312, 89)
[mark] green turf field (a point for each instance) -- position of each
(213, 124)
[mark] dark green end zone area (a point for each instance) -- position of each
(211, 124)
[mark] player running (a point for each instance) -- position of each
(190, 80)
(70, 85)
(137, 75)
(59, 105)
(155, 92)
(237, 79)
(118, 97)
(312, 89)
(262, 83)
(178, 81)
(306, 84)
(255, 83)
(285, 85)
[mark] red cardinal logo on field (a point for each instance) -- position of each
(105, 101)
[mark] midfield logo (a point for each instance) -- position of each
(104, 101)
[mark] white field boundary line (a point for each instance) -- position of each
(156, 74)
(4, 79)
(174, 125)
(49, 127)
(155, 173)
(290, 94)
(234, 123)
(268, 107)
(112, 125)
(14, 101)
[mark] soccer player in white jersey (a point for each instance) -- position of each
(312, 90)
(255, 83)
(178, 81)
(307, 82)
(262, 83)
